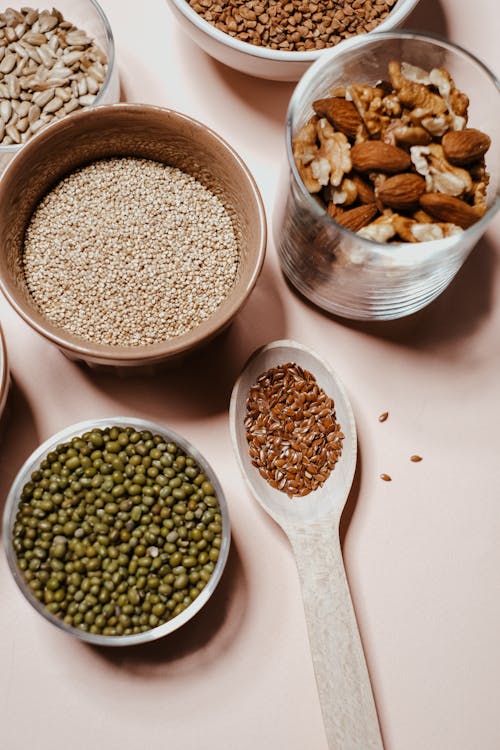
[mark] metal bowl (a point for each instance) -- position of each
(142, 131)
(11, 510)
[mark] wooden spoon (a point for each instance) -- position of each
(312, 526)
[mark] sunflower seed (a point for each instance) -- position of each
(34, 113)
(87, 100)
(35, 38)
(13, 133)
(47, 21)
(54, 104)
(71, 106)
(42, 97)
(5, 111)
(77, 37)
(63, 93)
(8, 63)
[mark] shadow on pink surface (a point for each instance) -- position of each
(17, 428)
(201, 640)
(455, 315)
(428, 16)
(271, 98)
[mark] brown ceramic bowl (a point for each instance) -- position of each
(4, 373)
(128, 130)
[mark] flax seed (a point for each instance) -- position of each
(291, 430)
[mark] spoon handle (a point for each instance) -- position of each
(345, 693)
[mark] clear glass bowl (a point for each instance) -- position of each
(88, 16)
(334, 267)
(13, 500)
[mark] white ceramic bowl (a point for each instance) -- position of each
(262, 62)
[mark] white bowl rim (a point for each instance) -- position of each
(15, 147)
(396, 16)
(13, 499)
(382, 249)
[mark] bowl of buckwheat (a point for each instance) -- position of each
(393, 154)
(129, 234)
(53, 61)
(279, 41)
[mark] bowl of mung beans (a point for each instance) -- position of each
(129, 234)
(53, 61)
(116, 531)
(279, 41)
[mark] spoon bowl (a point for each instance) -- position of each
(312, 526)
(332, 496)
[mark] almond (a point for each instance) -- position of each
(357, 218)
(376, 156)
(402, 191)
(341, 113)
(462, 147)
(366, 193)
(449, 209)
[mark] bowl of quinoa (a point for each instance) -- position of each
(137, 234)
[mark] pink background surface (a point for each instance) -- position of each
(421, 553)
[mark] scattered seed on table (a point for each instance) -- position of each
(128, 252)
(386, 477)
(293, 436)
(416, 458)
(383, 416)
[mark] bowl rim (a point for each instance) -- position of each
(14, 498)
(396, 16)
(15, 147)
(207, 329)
(381, 249)
(4, 371)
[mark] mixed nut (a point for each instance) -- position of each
(396, 161)
(48, 69)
